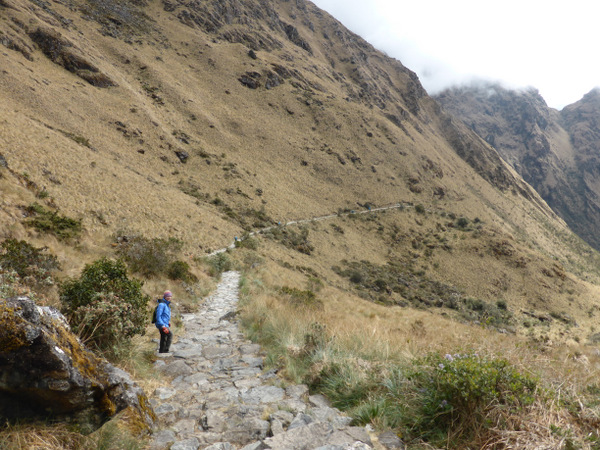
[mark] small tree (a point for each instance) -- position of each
(104, 306)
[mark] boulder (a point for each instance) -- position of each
(182, 155)
(390, 440)
(46, 371)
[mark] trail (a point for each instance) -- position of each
(314, 219)
(220, 398)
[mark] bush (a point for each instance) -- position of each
(455, 394)
(148, 257)
(258, 218)
(27, 260)
(219, 263)
(46, 221)
(104, 307)
(247, 242)
(462, 223)
(301, 298)
(291, 239)
(180, 270)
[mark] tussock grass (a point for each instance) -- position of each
(45, 436)
(57, 437)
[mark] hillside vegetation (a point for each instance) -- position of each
(192, 123)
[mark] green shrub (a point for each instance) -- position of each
(219, 263)
(104, 307)
(217, 201)
(51, 222)
(462, 223)
(291, 239)
(300, 298)
(247, 242)
(454, 394)
(396, 282)
(258, 218)
(180, 270)
(193, 190)
(420, 209)
(27, 260)
(148, 257)
(43, 194)
(337, 228)
(491, 314)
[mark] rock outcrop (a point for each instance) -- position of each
(46, 371)
(65, 54)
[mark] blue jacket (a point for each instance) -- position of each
(163, 313)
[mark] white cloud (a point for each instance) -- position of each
(547, 45)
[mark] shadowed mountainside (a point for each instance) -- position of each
(556, 152)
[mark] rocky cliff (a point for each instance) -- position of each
(554, 151)
(46, 372)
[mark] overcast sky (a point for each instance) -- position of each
(552, 46)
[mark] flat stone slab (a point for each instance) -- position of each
(263, 394)
(164, 393)
(215, 352)
(187, 444)
(189, 353)
(297, 391)
(163, 439)
(249, 349)
(176, 369)
(307, 437)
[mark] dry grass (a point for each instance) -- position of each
(42, 437)
(370, 337)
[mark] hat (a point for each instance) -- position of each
(167, 294)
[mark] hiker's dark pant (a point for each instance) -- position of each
(165, 341)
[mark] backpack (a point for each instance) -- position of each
(158, 302)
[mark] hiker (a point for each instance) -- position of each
(163, 321)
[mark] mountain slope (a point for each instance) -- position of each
(553, 151)
(199, 122)
(203, 120)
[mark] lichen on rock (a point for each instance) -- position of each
(46, 371)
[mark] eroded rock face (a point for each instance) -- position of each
(45, 370)
(65, 54)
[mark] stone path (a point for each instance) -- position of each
(221, 399)
(401, 205)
